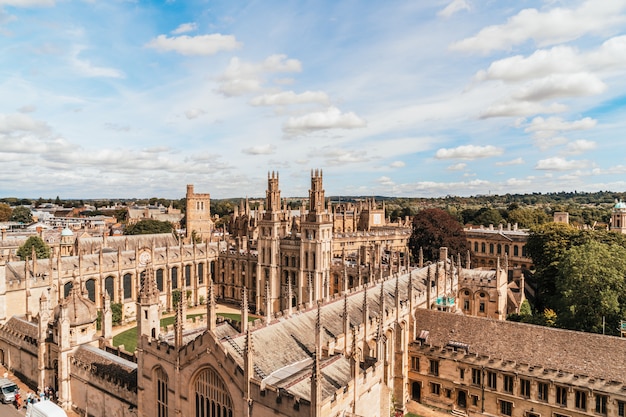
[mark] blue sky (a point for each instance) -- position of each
(103, 99)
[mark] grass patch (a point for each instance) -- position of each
(128, 338)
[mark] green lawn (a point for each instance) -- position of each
(128, 338)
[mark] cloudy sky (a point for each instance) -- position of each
(113, 98)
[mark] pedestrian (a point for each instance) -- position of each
(18, 400)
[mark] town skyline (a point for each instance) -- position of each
(454, 97)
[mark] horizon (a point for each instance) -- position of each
(450, 98)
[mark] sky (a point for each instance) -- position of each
(406, 98)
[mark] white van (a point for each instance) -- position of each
(8, 389)
(45, 408)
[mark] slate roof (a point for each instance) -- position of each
(579, 353)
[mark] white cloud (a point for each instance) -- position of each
(560, 85)
(457, 167)
(547, 142)
(195, 45)
(259, 150)
(332, 118)
(85, 68)
(26, 3)
(521, 108)
(386, 181)
(184, 28)
(397, 164)
(454, 7)
(469, 152)
(29, 108)
(559, 164)
(18, 122)
(194, 113)
(539, 125)
(516, 161)
(334, 156)
(289, 97)
(580, 146)
(552, 26)
(245, 77)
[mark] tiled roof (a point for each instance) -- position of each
(578, 353)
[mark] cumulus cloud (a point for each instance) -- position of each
(184, 28)
(246, 77)
(580, 146)
(397, 164)
(289, 97)
(516, 161)
(194, 113)
(195, 45)
(454, 7)
(552, 26)
(512, 108)
(259, 150)
(557, 124)
(560, 85)
(469, 152)
(19, 122)
(457, 167)
(559, 164)
(332, 118)
(334, 156)
(26, 3)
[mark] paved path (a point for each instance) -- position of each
(424, 411)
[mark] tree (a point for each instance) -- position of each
(42, 250)
(488, 216)
(433, 229)
(592, 287)
(5, 212)
(149, 226)
(22, 214)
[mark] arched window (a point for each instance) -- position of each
(159, 279)
(108, 287)
(90, 286)
(515, 250)
(200, 273)
(211, 396)
(174, 276)
(128, 286)
(161, 394)
(482, 247)
(67, 287)
(188, 275)
(475, 246)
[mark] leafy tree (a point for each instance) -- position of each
(116, 313)
(525, 310)
(5, 212)
(549, 317)
(149, 226)
(434, 228)
(42, 250)
(488, 216)
(527, 218)
(591, 283)
(22, 214)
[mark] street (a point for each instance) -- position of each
(8, 410)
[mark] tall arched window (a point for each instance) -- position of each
(128, 286)
(90, 286)
(161, 394)
(108, 287)
(159, 279)
(211, 396)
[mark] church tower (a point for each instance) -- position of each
(316, 231)
(618, 217)
(148, 322)
(273, 226)
(199, 223)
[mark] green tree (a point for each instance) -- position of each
(22, 214)
(5, 212)
(149, 226)
(527, 218)
(433, 229)
(487, 216)
(42, 250)
(592, 287)
(116, 313)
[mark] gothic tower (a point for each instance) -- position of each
(316, 229)
(273, 226)
(199, 224)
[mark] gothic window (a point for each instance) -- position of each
(601, 401)
(67, 287)
(159, 279)
(211, 396)
(174, 276)
(491, 248)
(508, 383)
(581, 400)
(524, 388)
(542, 391)
(561, 396)
(200, 273)
(90, 286)
(108, 287)
(128, 286)
(161, 397)
(188, 275)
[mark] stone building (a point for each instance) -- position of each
(618, 217)
(478, 366)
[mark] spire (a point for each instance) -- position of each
(179, 325)
(421, 258)
(346, 323)
(248, 371)
(211, 307)
(268, 303)
(244, 310)
(316, 374)
(468, 262)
